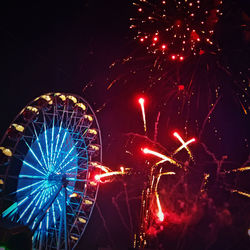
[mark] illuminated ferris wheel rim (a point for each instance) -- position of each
(49, 94)
(53, 131)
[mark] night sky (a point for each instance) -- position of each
(63, 47)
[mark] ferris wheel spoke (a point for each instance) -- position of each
(29, 186)
(53, 213)
(79, 126)
(38, 189)
(59, 206)
(74, 210)
(67, 155)
(13, 208)
(57, 140)
(53, 208)
(46, 141)
(35, 156)
(76, 175)
(31, 177)
(69, 170)
(33, 210)
(39, 206)
(33, 167)
(58, 135)
(71, 116)
(47, 220)
(52, 138)
(40, 225)
(75, 179)
(26, 209)
(10, 210)
(73, 158)
(45, 206)
(35, 238)
(60, 148)
(47, 187)
(39, 145)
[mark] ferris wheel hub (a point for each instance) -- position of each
(54, 177)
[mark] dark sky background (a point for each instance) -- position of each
(61, 47)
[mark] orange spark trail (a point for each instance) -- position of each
(238, 170)
(159, 176)
(141, 101)
(111, 84)
(184, 144)
(160, 214)
(245, 111)
(204, 183)
(163, 157)
(103, 168)
(99, 176)
(240, 192)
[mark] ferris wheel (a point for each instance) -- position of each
(46, 175)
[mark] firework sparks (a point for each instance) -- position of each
(159, 155)
(159, 176)
(204, 183)
(184, 144)
(160, 214)
(242, 169)
(141, 102)
(240, 192)
(103, 168)
(156, 126)
(161, 31)
(112, 173)
(111, 84)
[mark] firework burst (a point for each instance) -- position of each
(176, 28)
